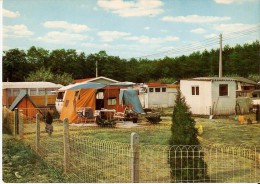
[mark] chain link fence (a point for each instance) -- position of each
(86, 154)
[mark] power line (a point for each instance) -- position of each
(205, 43)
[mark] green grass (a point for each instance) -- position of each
(21, 165)
(228, 131)
(221, 130)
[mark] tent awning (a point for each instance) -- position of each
(88, 85)
(130, 96)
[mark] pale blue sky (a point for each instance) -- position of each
(131, 28)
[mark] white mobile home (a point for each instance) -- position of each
(210, 95)
(153, 95)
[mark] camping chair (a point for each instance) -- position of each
(120, 116)
(85, 114)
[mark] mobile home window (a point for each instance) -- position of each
(16, 92)
(223, 90)
(195, 90)
(150, 89)
(163, 89)
(33, 92)
(111, 101)
(157, 89)
(41, 92)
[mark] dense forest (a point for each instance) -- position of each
(61, 66)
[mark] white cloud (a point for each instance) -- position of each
(66, 25)
(17, 31)
(57, 37)
(109, 36)
(233, 1)
(227, 28)
(154, 40)
(95, 8)
(10, 14)
(132, 8)
(147, 28)
(164, 30)
(211, 35)
(198, 31)
(195, 19)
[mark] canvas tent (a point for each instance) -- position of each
(130, 97)
(96, 96)
(25, 103)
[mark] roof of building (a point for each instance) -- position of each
(28, 85)
(93, 79)
(123, 84)
(238, 79)
(156, 84)
(21, 95)
(172, 85)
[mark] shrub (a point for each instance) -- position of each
(191, 167)
(105, 123)
(154, 118)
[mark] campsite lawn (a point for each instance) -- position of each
(221, 130)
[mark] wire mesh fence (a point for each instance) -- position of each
(87, 154)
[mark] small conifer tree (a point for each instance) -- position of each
(185, 157)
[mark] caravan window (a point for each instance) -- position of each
(150, 89)
(157, 89)
(33, 92)
(41, 92)
(100, 95)
(16, 92)
(111, 101)
(163, 89)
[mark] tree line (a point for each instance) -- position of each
(62, 66)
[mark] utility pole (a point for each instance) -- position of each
(96, 68)
(220, 56)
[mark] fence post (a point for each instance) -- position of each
(66, 145)
(15, 122)
(21, 128)
(134, 155)
(37, 133)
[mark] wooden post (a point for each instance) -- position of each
(21, 128)
(15, 122)
(134, 155)
(66, 145)
(37, 133)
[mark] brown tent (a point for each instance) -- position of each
(91, 97)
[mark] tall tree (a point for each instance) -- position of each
(15, 66)
(185, 157)
(46, 75)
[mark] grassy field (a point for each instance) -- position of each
(221, 130)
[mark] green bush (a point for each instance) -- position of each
(154, 118)
(105, 123)
(192, 167)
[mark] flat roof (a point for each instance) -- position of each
(29, 85)
(238, 79)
